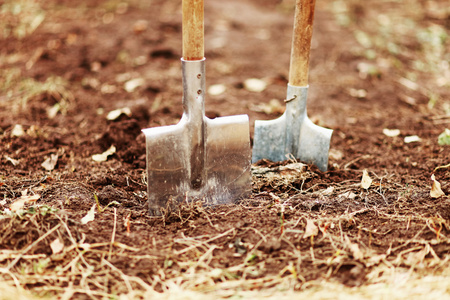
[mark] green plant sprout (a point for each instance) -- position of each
(99, 208)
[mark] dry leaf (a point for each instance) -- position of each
(311, 229)
(140, 26)
(57, 246)
(436, 190)
(92, 83)
(104, 156)
(131, 85)
(366, 181)
(391, 132)
(96, 66)
(358, 93)
(412, 139)
(15, 162)
(115, 114)
(53, 111)
(255, 85)
(17, 130)
(217, 89)
(34, 131)
(50, 163)
(90, 216)
(108, 88)
(274, 106)
(335, 154)
(19, 203)
(366, 70)
(349, 195)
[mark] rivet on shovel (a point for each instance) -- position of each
(198, 158)
(294, 133)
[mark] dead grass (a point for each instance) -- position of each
(355, 253)
(21, 91)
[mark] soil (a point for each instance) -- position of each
(298, 229)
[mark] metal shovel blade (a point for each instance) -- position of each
(292, 134)
(198, 158)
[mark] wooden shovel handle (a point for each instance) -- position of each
(193, 32)
(301, 42)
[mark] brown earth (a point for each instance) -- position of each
(301, 228)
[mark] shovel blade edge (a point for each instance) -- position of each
(314, 144)
(226, 173)
(269, 139)
(227, 161)
(167, 164)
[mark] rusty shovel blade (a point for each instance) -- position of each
(198, 158)
(293, 134)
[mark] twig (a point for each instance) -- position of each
(411, 240)
(441, 167)
(341, 232)
(80, 291)
(204, 256)
(264, 282)
(89, 247)
(205, 242)
(16, 281)
(124, 277)
(113, 233)
(257, 232)
(440, 117)
(72, 263)
(296, 253)
(207, 217)
(74, 243)
(355, 160)
(232, 210)
(352, 214)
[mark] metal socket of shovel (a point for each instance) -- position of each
(294, 134)
(198, 158)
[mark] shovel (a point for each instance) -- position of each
(198, 158)
(294, 134)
